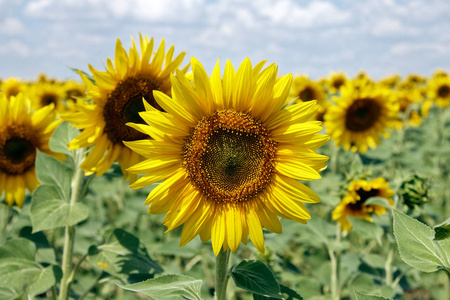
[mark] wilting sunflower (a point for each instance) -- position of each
(439, 91)
(45, 93)
(21, 134)
(117, 99)
(12, 87)
(305, 89)
(353, 204)
(336, 81)
(360, 116)
(230, 155)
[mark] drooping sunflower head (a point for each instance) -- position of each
(336, 81)
(12, 87)
(304, 89)
(360, 116)
(22, 133)
(439, 91)
(230, 153)
(117, 99)
(354, 202)
(46, 93)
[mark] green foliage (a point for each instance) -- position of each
(417, 247)
(61, 138)
(442, 231)
(168, 287)
(361, 296)
(254, 276)
(20, 274)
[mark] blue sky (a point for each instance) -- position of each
(312, 37)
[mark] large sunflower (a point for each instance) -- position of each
(230, 154)
(21, 134)
(360, 116)
(353, 204)
(117, 99)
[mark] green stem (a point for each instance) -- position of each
(69, 234)
(334, 159)
(335, 266)
(388, 267)
(222, 274)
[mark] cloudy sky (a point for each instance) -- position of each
(311, 37)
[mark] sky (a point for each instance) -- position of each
(313, 37)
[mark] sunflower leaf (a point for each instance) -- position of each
(254, 276)
(60, 139)
(48, 210)
(442, 231)
(416, 245)
(361, 296)
(378, 201)
(168, 287)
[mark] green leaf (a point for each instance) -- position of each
(416, 245)
(361, 296)
(20, 273)
(442, 231)
(168, 287)
(62, 136)
(367, 230)
(85, 74)
(254, 276)
(49, 211)
(123, 254)
(285, 290)
(378, 201)
(52, 172)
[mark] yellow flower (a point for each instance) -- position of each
(336, 81)
(390, 81)
(439, 91)
(360, 116)
(45, 93)
(74, 89)
(12, 87)
(116, 100)
(353, 204)
(230, 153)
(406, 99)
(21, 134)
(304, 89)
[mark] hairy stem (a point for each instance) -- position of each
(222, 274)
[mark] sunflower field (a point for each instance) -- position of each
(155, 179)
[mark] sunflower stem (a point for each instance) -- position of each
(222, 275)
(69, 234)
(388, 267)
(334, 159)
(335, 256)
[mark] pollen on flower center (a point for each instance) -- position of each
(17, 150)
(362, 114)
(229, 156)
(124, 104)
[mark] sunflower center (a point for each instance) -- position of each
(307, 94)
(362, 114)
(443, 91)
(364, 195)
(17, 150)
(337, 83)
(124, 104)
(229, 156)
(48, 99)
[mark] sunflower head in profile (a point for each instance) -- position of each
(354, 202)
(46, 93)
(336, 81)
(407, 100)
(360, 116)
(12, 87)
(117, 99)
(304, 89)
(438, 91)
(230, 153)
(21, 134)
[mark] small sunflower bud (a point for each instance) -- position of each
(414, 190)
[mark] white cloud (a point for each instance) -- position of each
(11, 26)
(13, 48)
(426, 48)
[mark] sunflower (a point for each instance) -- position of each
(12, 87)
(336, 81)
(45, 93)
(353, 204)
(304, 89)
(390, 81)
(21, 134)
(74, 89)
(230, 154)
(438, 91)
(360, 116)
(117, 99)
(407, 99)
